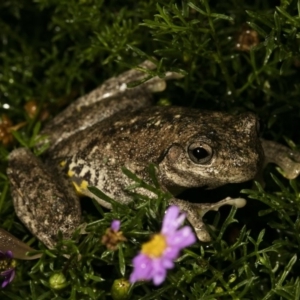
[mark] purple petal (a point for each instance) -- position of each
(183, 238)
(142, 268)
(115, 225)
(172, 253)
(6, 272)
(159, 272)
(9, 254)
(172, 220)
(9, 275)
(4, 283)
(146, 268)
(167, 263)
(12, 275)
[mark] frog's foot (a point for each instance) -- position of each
(288, 160)
(45, 203)
(196, 211)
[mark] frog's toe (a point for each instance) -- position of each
(200, 229)
(292, 166)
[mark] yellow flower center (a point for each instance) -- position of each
(155, 247)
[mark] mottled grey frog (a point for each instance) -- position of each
(115, 126)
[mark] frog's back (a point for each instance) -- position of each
(145, 135)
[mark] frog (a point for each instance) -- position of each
(117, 126)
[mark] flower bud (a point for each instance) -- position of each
(58, 281)
(119, 289)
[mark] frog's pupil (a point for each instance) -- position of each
(200, 153)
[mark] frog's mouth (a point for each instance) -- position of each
(208, 195)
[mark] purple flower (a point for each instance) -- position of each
(113, 237)
(158, 255)
(6, 263)
(8, 275)
(115, 225)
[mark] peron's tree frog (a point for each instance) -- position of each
(114, 127)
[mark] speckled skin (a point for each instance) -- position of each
(43, 201)
(162, 135)
(114, 127)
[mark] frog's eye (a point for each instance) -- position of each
(200, 153)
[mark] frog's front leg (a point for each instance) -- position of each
(45, 203)
(288, 160)
(115, 86)
(196, 211)
(111, 97)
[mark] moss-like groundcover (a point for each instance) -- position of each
(236, 56)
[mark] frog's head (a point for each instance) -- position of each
(214, 151)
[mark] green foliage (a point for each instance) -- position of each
(53, 51)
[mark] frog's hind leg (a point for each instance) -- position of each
(44, 203)
(288, 160)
